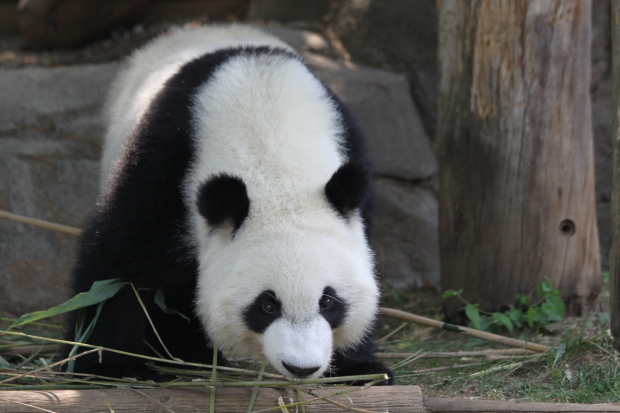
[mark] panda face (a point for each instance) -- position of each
(287, 297)
(301, 348)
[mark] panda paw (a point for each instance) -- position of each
(371, 367)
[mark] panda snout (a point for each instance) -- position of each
(300, 371)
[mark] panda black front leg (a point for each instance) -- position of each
(360, 360)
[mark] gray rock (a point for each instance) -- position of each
(398, 35)
(50, 133)
(50, 145)
(380, 101)
(287, 10)
(302, 41)
(404, 234)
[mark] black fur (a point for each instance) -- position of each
(255, 316)
(223, 198)
(360, 360)
(349, 188)
(138, 231)
(336, 313)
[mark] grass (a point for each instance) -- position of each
(582, 368)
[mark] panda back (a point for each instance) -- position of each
(149, 68)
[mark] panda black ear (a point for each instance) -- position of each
(223, 198)
(349, 187)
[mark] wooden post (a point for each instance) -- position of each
(517, 202)
(614, 255)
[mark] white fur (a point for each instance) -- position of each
(269, 121)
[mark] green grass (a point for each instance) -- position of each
(583, 368)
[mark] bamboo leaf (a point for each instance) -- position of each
(161, 302)
(100, 291)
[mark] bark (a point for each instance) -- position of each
(614, 256)
(517, 201)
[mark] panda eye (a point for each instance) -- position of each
(268, 307)
(326, 302)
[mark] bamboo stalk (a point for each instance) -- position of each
(511, 352)
(27, 350)
(513, 342)
(40, 223)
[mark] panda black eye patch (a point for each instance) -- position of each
(263, 311)
(332, 307)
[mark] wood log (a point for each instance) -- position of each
(375, 399)
(516, 201)
(614, 254)
(234, 400)
(441, 405)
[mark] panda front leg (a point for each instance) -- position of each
(121, 325)
(360, 360)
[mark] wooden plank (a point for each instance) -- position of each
(376, 399)
(441, 405)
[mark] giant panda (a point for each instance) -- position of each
(236, 183)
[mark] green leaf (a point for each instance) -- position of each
(604, 319)
(515, 316)
(553, 307)
(504, 320)
(471, 311)
(5, 363)
(522, 300)
(531, 315)
(559, 352)
(160, 300)
(83, 337)
(450, 293)
(100, 291)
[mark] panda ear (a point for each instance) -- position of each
(223, 199)
(349, 187)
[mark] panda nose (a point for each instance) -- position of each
(300, 371)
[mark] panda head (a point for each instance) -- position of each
(289, 286)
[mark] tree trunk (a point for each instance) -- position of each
(517, 202)
(614, 256)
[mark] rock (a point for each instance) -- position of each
(380, 101)
(404, 234)
(302, 41)
(50, 138)
(397, 35)
(69, 23)
(287, 10)
(50, 145)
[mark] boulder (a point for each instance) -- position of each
(404, 233)
(50, 144)
(287, 10)
(397, 35)
(69, 23)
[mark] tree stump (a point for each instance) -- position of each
(517, 201)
